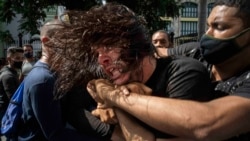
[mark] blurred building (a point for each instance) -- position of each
(21, 39)
(191, 23)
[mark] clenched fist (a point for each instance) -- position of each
(105, 93)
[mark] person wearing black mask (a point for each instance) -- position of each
(28, 62)
(9, 77)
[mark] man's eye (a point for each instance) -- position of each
(162, 41)
(220, 27)
(108, 48)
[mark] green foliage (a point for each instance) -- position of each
(6, 37)
(6, 12)
(33, 11)
(152, 10)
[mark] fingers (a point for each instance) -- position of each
(103, 82)
(102, 106)
(96, 113)
(138, 88)
(146, 90)
(113, 120)
(92, 91)
(96, 87)
(124, 90)
(143, 88)
(135, 87)
(91, 86)
(101, 90)
(112, 117)
(161, 52)
(106, 115)
(156, 55)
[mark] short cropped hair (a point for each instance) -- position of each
(12, 50)
(243, 7)
(28, 45)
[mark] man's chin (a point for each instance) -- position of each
(121, 81)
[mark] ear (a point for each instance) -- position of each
(44, 39)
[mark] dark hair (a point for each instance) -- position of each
(166, 33)
(13, 50)
(112, 25)
(69, 57)
(28, 45)
(243, 9)
(115, 25)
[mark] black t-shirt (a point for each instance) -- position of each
(238, 84)
(182, 78)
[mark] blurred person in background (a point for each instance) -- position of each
(161, 41)
(28, 61)
(9, 74)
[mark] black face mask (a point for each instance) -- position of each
(17, 64)
(28, 55)
(216, 51)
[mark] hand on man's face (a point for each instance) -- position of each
(161, 52)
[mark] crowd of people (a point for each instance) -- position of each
(19, 62)
(101, 76)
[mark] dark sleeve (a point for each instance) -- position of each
(189, 79)
(241, 86)
(48, 114)
(10, 84)
(190, 49)
(76, 108)
(243, 91)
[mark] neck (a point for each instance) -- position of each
(221, 73)
(44, 59)
(30, 59)
(148, 65)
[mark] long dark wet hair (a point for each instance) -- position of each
(69, 57)
(74, 45)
